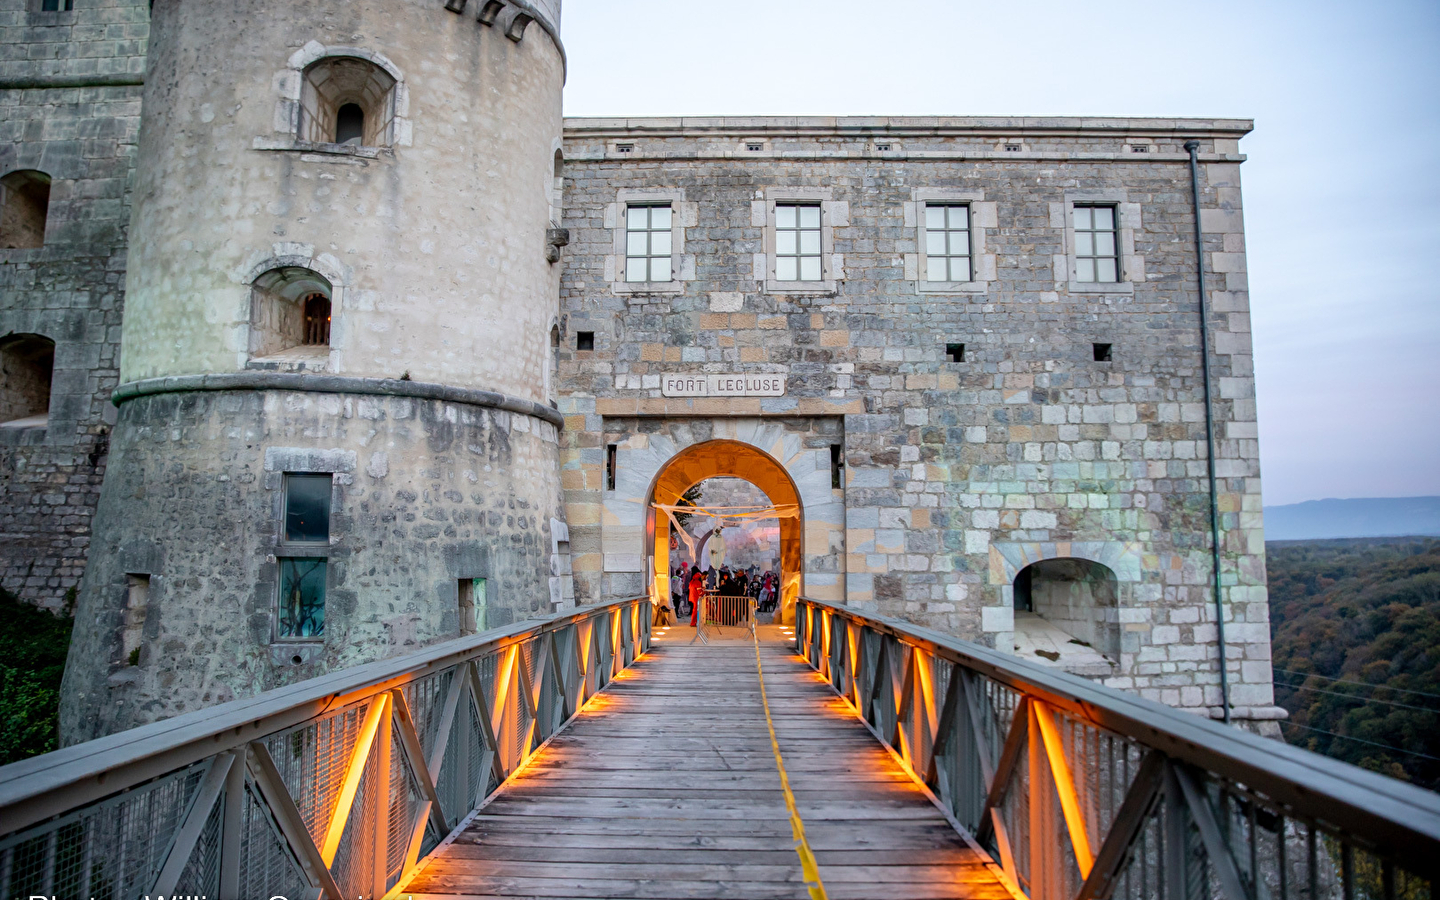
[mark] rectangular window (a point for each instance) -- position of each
(610, 454)
(1097, 258)
(307, 509)
(473, 603)
(947, 242)
(647, 243)
(56, 5)
(955, 352)
(584, 340)
(797, 242)
(302, 598)
(837, 467)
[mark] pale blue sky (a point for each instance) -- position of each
(1342, 188)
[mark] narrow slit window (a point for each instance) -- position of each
(955, 352)
(1097, 259)
(797, 242)
(137, 601)
(837, 467)
(947, 242)
(584, 340)
(317, 320)
(349, 124)
(307, 508)
(473, 604)
(302, 598)
(648, 243)
(1102, 352)
(611, 451)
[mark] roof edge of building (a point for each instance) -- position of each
(897, 126)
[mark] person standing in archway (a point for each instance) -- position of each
(695, 584)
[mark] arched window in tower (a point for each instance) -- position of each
(290, 312)
(27, 363)
(557, 190)
(347, 100)
(24, 207)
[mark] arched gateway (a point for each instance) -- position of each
(727, 459)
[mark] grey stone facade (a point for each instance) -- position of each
(69, 107)
(958, 474)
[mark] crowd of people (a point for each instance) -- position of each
(686, 586)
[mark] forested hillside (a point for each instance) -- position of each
(1356, 629)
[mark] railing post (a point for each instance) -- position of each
(380, 797)
(231, 824)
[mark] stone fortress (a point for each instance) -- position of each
(406, 355)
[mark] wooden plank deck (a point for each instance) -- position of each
(666, 787)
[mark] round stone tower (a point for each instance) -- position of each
(334, 440)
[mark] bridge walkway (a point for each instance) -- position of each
(665, 786)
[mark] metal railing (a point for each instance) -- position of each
(1083, 792)
(335, 787)
(717, 611)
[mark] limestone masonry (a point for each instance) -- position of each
(405, 355)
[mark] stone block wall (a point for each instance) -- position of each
(69, 107)
(958, 473)
(426, 492)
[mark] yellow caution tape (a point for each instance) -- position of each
(808, 868)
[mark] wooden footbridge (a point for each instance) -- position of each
(584, 756)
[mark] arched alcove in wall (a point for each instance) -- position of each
(1067, 612)
(727, 459)
(24, 209)
(27, 365)
(290, 310)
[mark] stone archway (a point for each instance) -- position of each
(799, 448)
(727, 459)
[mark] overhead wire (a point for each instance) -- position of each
(1301, 687)
(1346, 737)
(1364, 684)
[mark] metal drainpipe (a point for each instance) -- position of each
(1193, 147)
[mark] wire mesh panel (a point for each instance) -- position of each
(406, 804)
(354, 865)
(114, 848)
(201, 875)
(426, 699)
(312, 760)
(460, 771)
(268, 866)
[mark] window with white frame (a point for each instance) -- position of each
(1097, 255)
(947, 242)
(797, 242)
(648, 244)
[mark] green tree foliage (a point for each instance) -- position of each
(1359, 620)
(35, 644)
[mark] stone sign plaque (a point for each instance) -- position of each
(722, 385)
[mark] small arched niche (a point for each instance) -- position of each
(1066, 613)
(347, 100)
(27, 365)
(24, 208)
(290, 316)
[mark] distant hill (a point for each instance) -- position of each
(1359, 518)
(1355, 627)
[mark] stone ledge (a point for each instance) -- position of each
(335, 384)
(726, 406)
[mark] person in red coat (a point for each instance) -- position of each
(695, 583)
